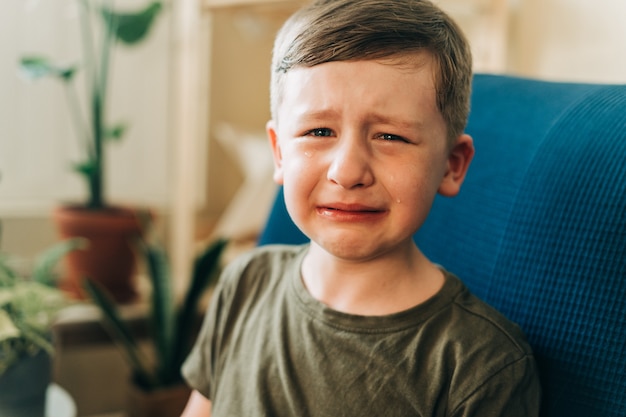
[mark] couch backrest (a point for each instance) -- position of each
(539, 231)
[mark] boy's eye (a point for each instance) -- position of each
(320, 132)
(390, 137)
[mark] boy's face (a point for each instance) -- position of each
(361, 150)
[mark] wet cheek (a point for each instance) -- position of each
(396, 196)
(401, 181)
(303, 169)
(411, 186)
(301, 158)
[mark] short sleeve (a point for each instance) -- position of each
(199, 368)
(498, 396)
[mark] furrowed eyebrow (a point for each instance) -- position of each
(373, 118)
(403, 124)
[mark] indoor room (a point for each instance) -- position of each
(158, 109)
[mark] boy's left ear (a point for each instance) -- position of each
(272, 135)
(459, 158)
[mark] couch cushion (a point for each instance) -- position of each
(539, 231)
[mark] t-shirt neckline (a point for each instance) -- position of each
(411, 317)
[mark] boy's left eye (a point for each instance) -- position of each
(320, 132)
(391, 137)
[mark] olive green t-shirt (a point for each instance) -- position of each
(268, 348)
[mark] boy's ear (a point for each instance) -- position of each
(272, 135)
(459, 158)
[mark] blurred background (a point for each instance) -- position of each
(195, 98)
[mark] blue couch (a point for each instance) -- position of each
(539, 231)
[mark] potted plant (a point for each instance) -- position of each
(28, 307)
(109, 258)
(158, 389)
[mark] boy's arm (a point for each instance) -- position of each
(197, 406)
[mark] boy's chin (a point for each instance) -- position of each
(355, 250)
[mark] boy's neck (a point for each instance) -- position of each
(385, 285)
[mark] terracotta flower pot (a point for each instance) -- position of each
(162, 402)
(109, 258)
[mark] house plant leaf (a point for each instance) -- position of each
(204, 274)
(35, 67)
(43, 272)
(172, 325)
(115, 132)
(88, 108)
(130, 28)
(86, 168)
(8, 330)
(163, 310)
(28, 307)
(121, 332)
(7, 275)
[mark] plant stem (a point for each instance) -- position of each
(80, 127)
(94, 152)
(88, 44)
(99, 108)
(95, 179)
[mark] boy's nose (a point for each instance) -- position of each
(350, 166)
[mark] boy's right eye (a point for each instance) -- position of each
(320, 132)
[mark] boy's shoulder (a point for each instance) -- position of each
(261, 266)
(482, 328)
(469, 338)
(266, 256)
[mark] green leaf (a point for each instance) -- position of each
(163, 309)
(35, 67)
(42, 341)
(121, 332)
(115, 132)
(7, 274)
(130, 28)
(8, 330)
(87, 168)
(205, 272)
(45, 263)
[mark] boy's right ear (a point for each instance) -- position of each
(272, 135)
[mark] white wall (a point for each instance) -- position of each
(37, 143)
(573, 40)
